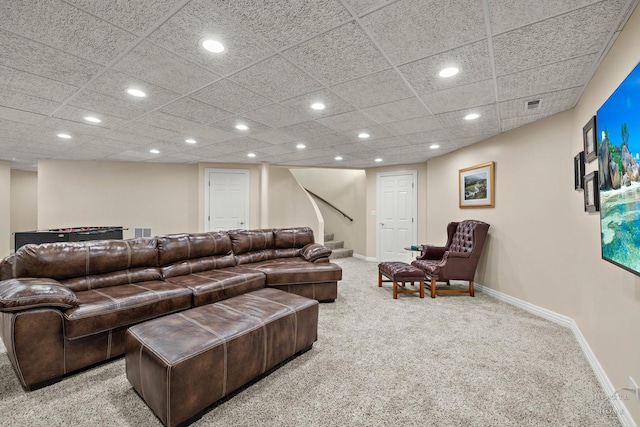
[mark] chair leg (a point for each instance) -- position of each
(395, 290)
(433, 288)
(422, 288)
(471, 291)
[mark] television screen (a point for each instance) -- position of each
(618, 135)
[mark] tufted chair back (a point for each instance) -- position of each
(469, 236)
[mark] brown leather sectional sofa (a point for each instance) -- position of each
(66, 306)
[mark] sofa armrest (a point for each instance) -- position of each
(26, 293)
(313, 252)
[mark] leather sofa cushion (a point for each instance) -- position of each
(297, 237)
(116, 278)
(244, 241)
(215, 285)
(179, 247)
(189, 266)
(297, 271)
(65, 260)
(25, 293)
(109, 308)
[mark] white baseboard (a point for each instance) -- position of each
(618, 406)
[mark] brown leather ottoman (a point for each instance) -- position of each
(400, 273)
(182, 363)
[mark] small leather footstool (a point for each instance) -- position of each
(400, 273)
(184, 362)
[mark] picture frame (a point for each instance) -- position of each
(591, 196)
(476, 186)
(589, 134)
(578, 171)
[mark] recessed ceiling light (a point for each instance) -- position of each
(363, 135)
(338, 158)
(92, 119)
(318, 106)
(471, 116)
(136, 92)
(251, 155)
(242, 127)
(301, 146)
(378, 160)
(63, 135)
(448, 72)
(190, 141)
(213, 45)
(434, 146)
(154, 151)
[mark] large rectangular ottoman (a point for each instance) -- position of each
(182, 363)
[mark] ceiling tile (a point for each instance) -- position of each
(379, 144)
(73, 126)
(332, 102)
(200, 19)
(277, 79)
(550, 103)
(375, 89)
(488, 119)
(120, 139)
(472, 60)
(167, 121)
(342, 54)
(289, 21)
(36, 58)
(396, 111)
(362, 6)
(274, 136)
(347, 121)
(210, 133)
(375, 132)
(413, 29)
(20, 101)
(108, 105)
(556, 39)
(226, 95)
(160, 67)
(276, 115)
(195, 111)
(229, 125)
(77, 114)
(548, 78)
(150, 131)
(460, 97)
(64, 27)
(508, 14)
(429, 137)
(516, 122)
(20, 116)
(136, 16)
(307, 130)
(31, 84)
(418, 124)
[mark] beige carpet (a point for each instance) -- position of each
(452, 361)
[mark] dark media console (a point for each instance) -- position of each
(73, 234)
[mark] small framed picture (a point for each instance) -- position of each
(591, 194)
(476, 186)
(578, 171)
(589, 140)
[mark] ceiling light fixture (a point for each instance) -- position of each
(190, 141)
(338, 158)
(92, 119)
(448, 72)
(471, 116)
(318, 106)
(213, 45)
(64, 136)
(242, 127)
(378, 160)
(363, 135)
(252, 155)
(154, 151)
(434, 146)
(301, 146)
(136, 92)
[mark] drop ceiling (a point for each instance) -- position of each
(374, 64)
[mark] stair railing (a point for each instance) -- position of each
(323, 200)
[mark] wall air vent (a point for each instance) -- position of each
(142, 232)
(533, 104)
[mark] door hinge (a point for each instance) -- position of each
(411, 220)
(209, 183)
(209, 218)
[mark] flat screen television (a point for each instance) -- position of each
(618, 136)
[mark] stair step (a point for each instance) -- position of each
(328, 236)
(341, 253)
(334, 244)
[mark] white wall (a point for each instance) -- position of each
(24, 202)
(5, 207)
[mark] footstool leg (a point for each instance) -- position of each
(395, 290)
(433, 288)
(379, 279)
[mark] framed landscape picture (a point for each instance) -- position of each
(476, 186)
(589, 140)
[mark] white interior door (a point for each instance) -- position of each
(397, 211)
(226, 199)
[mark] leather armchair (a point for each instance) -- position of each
(457, 259)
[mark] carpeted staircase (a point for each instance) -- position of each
(337, 246)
